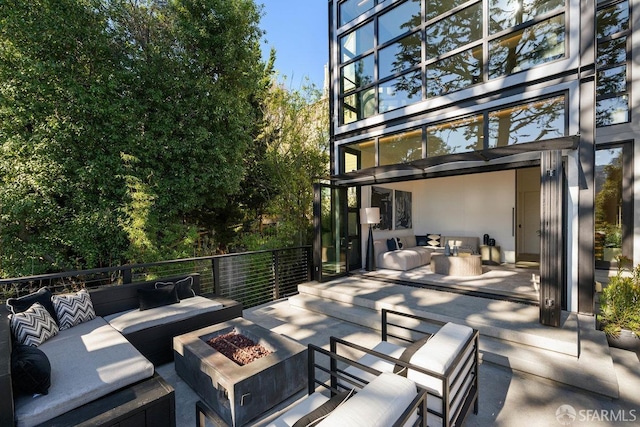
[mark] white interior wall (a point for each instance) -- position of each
(468, 205)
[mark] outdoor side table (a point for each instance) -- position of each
(490, 254)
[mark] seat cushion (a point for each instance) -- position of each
(400, 260)
(135, 320)
(299, 410)
(88, 361)
(375, 362)
(379, 404)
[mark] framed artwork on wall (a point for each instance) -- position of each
(403, 210)
(383, 198)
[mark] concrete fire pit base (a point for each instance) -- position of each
(236, 393)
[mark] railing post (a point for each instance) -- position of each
(215, 264)
(127, 276)
(276, 276)
(309, 254)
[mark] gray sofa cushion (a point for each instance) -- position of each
(135, 320)
(88, 361)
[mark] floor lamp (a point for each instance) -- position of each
(370, 216)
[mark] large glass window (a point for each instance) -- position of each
(351, 9)
(456, 46)
(533, 121)
(400, 92)
(454, 31)
(359, 105)
(612, 97)
(608, 204)
(510, 13)
(456, 136)
(399, 20)
(519, 51)
(455, 72)
(361, 155)
(400, 56)
(401, 148)
(356, 42)
(357, 74)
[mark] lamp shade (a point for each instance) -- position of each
(369, 215)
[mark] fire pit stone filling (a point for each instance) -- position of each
(239, 392)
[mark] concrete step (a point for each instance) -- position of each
(591, 369)
(493, 318)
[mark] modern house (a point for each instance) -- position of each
(512, 118)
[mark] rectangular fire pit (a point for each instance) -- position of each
(237, 393)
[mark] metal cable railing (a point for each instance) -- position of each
(252, 278)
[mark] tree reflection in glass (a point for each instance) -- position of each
(457, 136)
(608, 204)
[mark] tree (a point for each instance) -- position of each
(120, 121)
(295, 137)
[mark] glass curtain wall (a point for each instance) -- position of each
(613, 33)
(420, 49)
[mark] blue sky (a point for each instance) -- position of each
(298, 30)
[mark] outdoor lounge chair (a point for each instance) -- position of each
(444, 363)
(383, 399)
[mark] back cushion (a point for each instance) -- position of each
(379, 404)
(438, 353)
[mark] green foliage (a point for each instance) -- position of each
(121, 122)
(620, 302)
(295, 143)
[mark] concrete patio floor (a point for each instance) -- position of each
(507, 397)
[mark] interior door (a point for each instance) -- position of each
(528, 208)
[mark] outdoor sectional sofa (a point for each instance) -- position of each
(102, 369)
(411, 254)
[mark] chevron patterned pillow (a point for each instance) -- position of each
(73, 309)
(33, 326)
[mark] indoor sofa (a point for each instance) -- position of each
(411, 252)
(405, 256)
(102, 368)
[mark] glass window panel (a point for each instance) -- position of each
(612, 52)
(351, 9)
(509, 13)
(401, 148)
(400, 92)
(457, 136)
(612, 20)
(521, 50)
(608, 204)
(454, 73)
(399, 20)
(357, 74)
(612, 111)
(400, 56)
(356, 42)
(454, 31)
(358, 106)
(533, 121)
(361, 155)
(436, 8)
(612, 80)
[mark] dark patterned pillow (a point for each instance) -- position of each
(30, 370)
(33, 326)
(42, 296)
(184, 286)
(392, 244)
(433, 240)
(422, 241)
(152, 298)
(73, 309)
